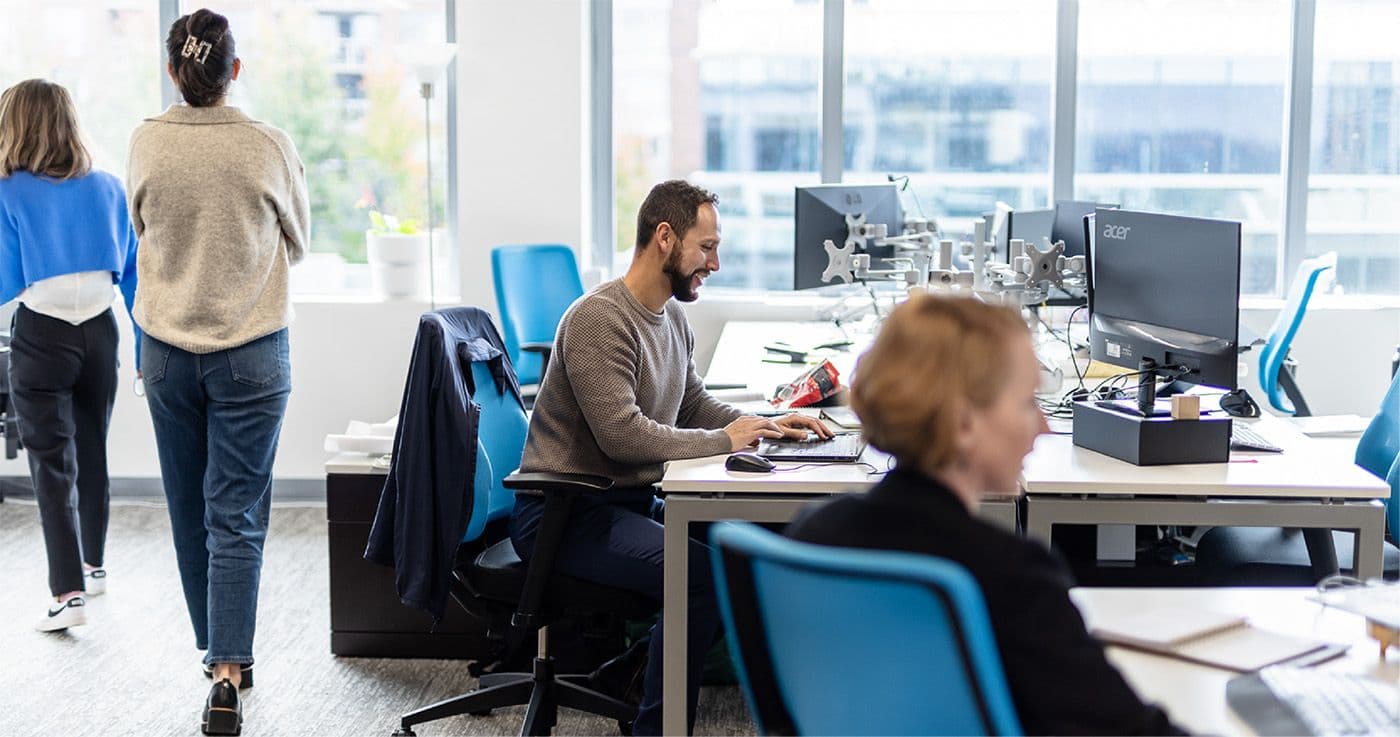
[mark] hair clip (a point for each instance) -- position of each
(196, 48)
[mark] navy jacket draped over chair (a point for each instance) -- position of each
(422, 511)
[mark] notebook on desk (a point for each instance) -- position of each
(1210, 638)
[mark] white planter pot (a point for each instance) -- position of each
(398, 265)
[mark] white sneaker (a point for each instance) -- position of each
(95, 582)
(70, 613)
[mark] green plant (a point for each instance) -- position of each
(381, 223)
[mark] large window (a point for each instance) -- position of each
(955, 95)
(1354, 187)
(105, 52)
(1189, 128)
(331, 74)
(709, 92)
(1177, 107)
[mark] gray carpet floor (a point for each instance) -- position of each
(133, 669)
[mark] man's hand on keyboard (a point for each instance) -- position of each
(796, 427)
(746, 431)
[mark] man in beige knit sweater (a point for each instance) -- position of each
(620, 398)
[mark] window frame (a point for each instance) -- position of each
(1296, 131)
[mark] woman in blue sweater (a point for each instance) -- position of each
(65, 239)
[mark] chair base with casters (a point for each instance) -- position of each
(543, 596)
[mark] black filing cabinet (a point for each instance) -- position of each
(367, 619)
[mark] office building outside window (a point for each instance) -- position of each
(1185, 115)
(955, 95)
(709, 92)
(1354, 182)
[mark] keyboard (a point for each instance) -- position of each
(844, 448)
(1244, 437)
(1286, 700)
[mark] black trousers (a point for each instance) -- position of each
(63, 379)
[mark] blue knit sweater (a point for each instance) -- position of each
(53, 227)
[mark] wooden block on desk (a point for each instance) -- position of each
(1186, 407)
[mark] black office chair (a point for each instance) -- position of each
(519, 599)
(9, 424)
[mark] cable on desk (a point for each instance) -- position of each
(802, 466)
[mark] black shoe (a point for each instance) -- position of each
(223, 714)
(621, 677)
(245, 675)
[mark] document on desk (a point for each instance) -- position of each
(1210, 638)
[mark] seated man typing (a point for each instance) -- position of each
(620, 398)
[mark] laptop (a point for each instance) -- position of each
(843, 448)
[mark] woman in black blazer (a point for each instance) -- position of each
(948, 389)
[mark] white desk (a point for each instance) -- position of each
(1194, 695)
(1310, 484)
(739, 354)
(702, 490)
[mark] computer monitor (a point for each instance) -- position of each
(1032, 226)
(1069, 223)
(820, 215)
(1165, 288)
(1068, 227)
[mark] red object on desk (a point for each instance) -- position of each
(814, 385)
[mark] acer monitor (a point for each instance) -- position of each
(1164, 293)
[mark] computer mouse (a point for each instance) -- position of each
(748, 463)
(1238, 403)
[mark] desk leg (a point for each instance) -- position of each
(675, 615)
(1038, 523)
(1368, 547)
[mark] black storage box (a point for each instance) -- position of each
(367, 619)
(1151, 441)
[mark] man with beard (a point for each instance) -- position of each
(621, 397)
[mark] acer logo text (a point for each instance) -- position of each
(1116, 232)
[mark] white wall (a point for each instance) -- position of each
(349, 361)
(522, 130)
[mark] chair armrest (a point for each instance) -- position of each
(567, 483)
(544, 349)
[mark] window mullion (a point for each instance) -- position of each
(832, 85)
(1297, 139)
(1064, 95)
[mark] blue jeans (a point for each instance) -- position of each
(217, 418)
(620, 545)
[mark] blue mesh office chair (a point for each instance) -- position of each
(1378, 451)
(1276, 369)
(520, 599)
(798, 615)
(534, 285)
(1272, 556)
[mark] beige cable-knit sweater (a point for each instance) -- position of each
(219, 203)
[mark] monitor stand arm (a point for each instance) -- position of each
(1147, 387)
